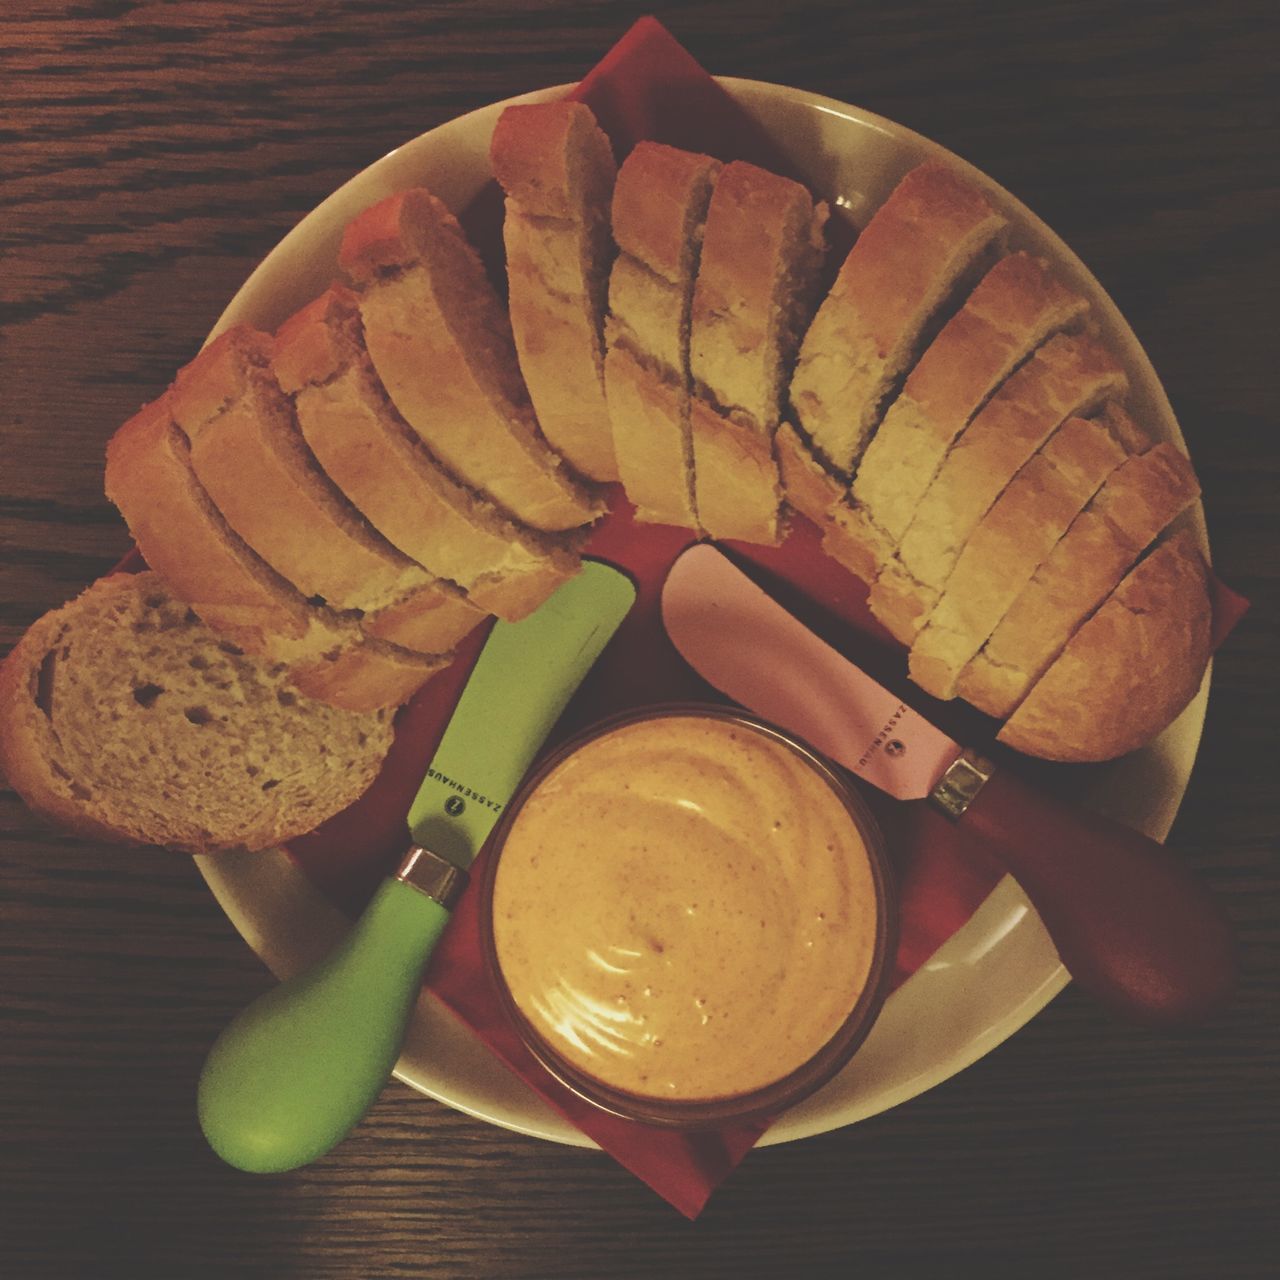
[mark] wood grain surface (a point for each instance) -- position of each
(150, 154)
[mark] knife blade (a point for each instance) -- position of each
(1131, 924)
(295, 1071)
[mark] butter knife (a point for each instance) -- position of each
(1132, 925)
(295, 1071)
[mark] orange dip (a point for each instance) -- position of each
(684, 909)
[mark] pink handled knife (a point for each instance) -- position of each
(1132, 925)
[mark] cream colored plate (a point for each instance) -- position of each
(992, 976)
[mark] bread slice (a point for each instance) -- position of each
(383, 467)
(252, 461)
(1129, 670)
(906, 263)
(441, 344)
(367, 674)
(1015, 536)
(809, 486)
(126, 718)
(1068, 376)
(659, 210)
(761, 252)
(1140, 499)
(557, 168)
(187, 542)
(1017, 305)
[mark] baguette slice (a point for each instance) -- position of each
(1015, 536)
(761, 252)
(383, 467)
(557, 169)
(810, 487)
(1067, 376)
(1139, 500)
(908, 260)
(126, 718)
(659, 210)
(187, 542)
(1017, 306)
(251, 459)
(1129, 670)
(441, 344)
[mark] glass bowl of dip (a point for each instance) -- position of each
(689, 916)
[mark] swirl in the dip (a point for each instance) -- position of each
(684, 909)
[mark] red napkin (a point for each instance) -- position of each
(648, 87)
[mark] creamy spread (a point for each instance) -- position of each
(684, 910)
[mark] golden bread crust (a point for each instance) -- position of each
(1129, 670)
(1140, 499)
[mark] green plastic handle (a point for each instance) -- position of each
(297, 1069)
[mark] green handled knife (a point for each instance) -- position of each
(294, 1073)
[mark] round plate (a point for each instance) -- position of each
(994, 974)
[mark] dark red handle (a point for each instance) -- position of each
(1133, 926)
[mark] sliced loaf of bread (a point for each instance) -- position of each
(905, 265)
(659, 210)
(128, 719)
(1140, 499)
(1069, 375)
(252, 461)
(557, 169)
(186, 541)
(385, 470)
(1129, 670)
(1002, 554)
(1017, 305)
(441, 343)
(761, 252)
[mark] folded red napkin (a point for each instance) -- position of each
(648, 87)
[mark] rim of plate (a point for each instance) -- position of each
(286, 921)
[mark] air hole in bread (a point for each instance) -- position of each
(198, 715)
(76, 789)
(44, 683)
(270, 784)
(252, 770)
(199, 663)
(286, 699)
(234, 650)
(145, 695)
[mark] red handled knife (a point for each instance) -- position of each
(1131, 924)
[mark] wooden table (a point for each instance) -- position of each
(150, 154)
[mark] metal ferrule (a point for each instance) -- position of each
(966, 775)
(433, 875)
